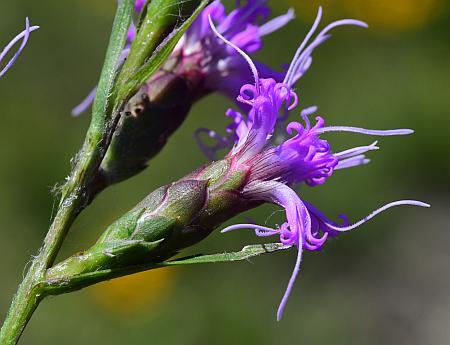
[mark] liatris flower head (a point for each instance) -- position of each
(22, 36)
(304, 157)
(204, 60)
(268, 157)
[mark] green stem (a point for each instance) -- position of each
(30, 292)
(24, 304)
(74, 194)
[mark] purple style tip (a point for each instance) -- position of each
(21, 36)
(374, 132)
(277, 23)
(85, 103)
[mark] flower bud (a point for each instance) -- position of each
(172, 217)
(152, 116)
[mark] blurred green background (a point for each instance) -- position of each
(386, 283)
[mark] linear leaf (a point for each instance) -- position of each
(61, 285)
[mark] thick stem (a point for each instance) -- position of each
(74, 194)
(24, 304)
(74, 199)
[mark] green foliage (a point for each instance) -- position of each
(62, 281)
(162, 16)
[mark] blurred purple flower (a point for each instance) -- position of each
(200, 55)
(302, 158)
(139, 5)
(24, 35)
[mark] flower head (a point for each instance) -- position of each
(303, 157)
(222, 67)
(201, 58)
(22, 36)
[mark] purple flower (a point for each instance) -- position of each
(21, 36)
(201, 58)
(277, 165)
(222, 67)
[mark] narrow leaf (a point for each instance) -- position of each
(117, 41)
(97, 137)
(159, 56)
(246, 253)
(59, 285)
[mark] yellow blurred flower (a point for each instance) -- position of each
(135, 293)
(381, 15)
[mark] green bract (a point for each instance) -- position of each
(172, 217)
